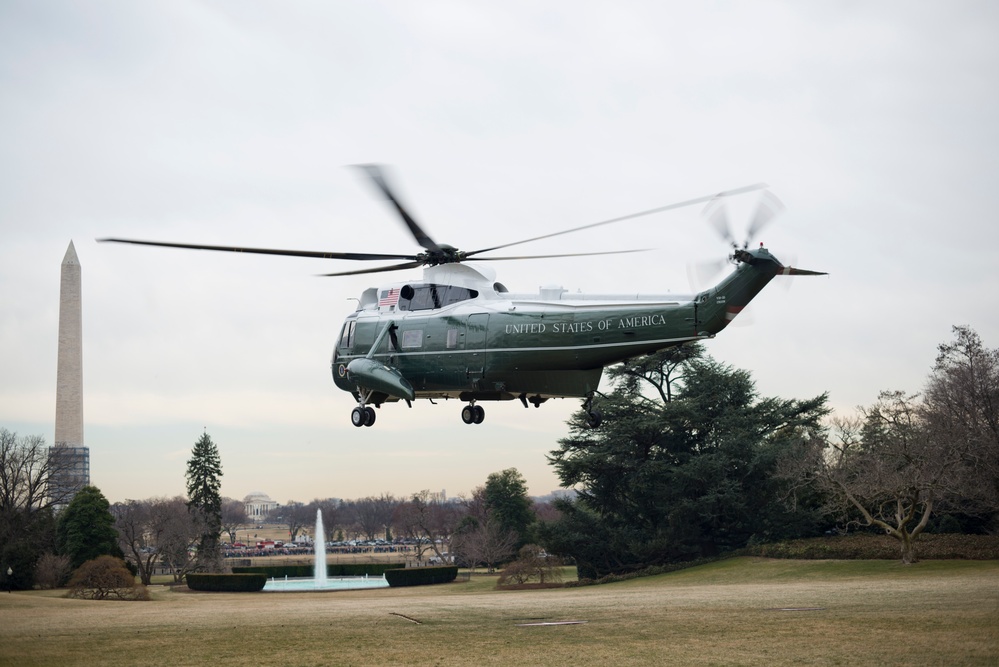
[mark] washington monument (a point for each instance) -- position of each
(71, 459)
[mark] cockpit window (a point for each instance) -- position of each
(347, 335)
(428, 297)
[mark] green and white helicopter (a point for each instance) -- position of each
(457, 333)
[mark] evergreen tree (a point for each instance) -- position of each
(86, 528)
(508, 503)
(204, 501)
(687, 471)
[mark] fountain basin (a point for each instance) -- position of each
(329, 584)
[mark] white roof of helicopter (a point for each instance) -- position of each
(483, 280)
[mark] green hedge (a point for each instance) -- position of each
(421, 576)
(929, 546)
(231, 583)
(334, 570)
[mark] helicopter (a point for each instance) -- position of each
(458, 333)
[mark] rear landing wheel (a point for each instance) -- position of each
(369, 416)
(358, 416)
(473, 414)
(468, 414)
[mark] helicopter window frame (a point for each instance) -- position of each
(433, 296)
(412, 339)
(347, 335)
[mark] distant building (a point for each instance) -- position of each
(258, 505)
(69, 459)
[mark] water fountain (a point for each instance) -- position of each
(319, 549)
(319, 581)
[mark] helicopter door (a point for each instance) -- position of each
(476, 328)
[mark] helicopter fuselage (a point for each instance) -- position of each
(458, 334)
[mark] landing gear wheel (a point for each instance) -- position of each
(468, 414)
(369, 416)
(593, 417)
(480, 414)
(358, 416)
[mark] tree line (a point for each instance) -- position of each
(43, 540)
(689, 462)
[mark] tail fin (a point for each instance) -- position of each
(717, 307)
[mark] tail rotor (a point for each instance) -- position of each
(768, 208)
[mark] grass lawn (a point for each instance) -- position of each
(744, 611)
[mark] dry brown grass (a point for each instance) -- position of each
(875, 613)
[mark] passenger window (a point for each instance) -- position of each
(412, 339)
(452, 339)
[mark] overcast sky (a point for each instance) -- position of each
(233, 122)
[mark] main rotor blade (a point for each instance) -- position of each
(669, 207)
(701, 274)
(363, 256)
(717, 214)
(377, 176)
(380, 269)
(569, 254)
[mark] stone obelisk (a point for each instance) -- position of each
(70, 459)
(69, 376)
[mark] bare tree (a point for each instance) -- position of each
(445, 517)
(233, 516)
(373, 516)
(887, 471)
(332, 516)
(177, 534)
(962, 406)
(475, 506)
(25, 471)
(137, 535)
(52, 571)
(532, 563)
(485, 542)
(430, 520)
(295, 515)
(412, 520)
(27, 502)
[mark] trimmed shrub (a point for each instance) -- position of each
(226, 583)
(421, 576)
(105, 578)
(532, 563)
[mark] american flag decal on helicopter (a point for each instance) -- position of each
(389, 297)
